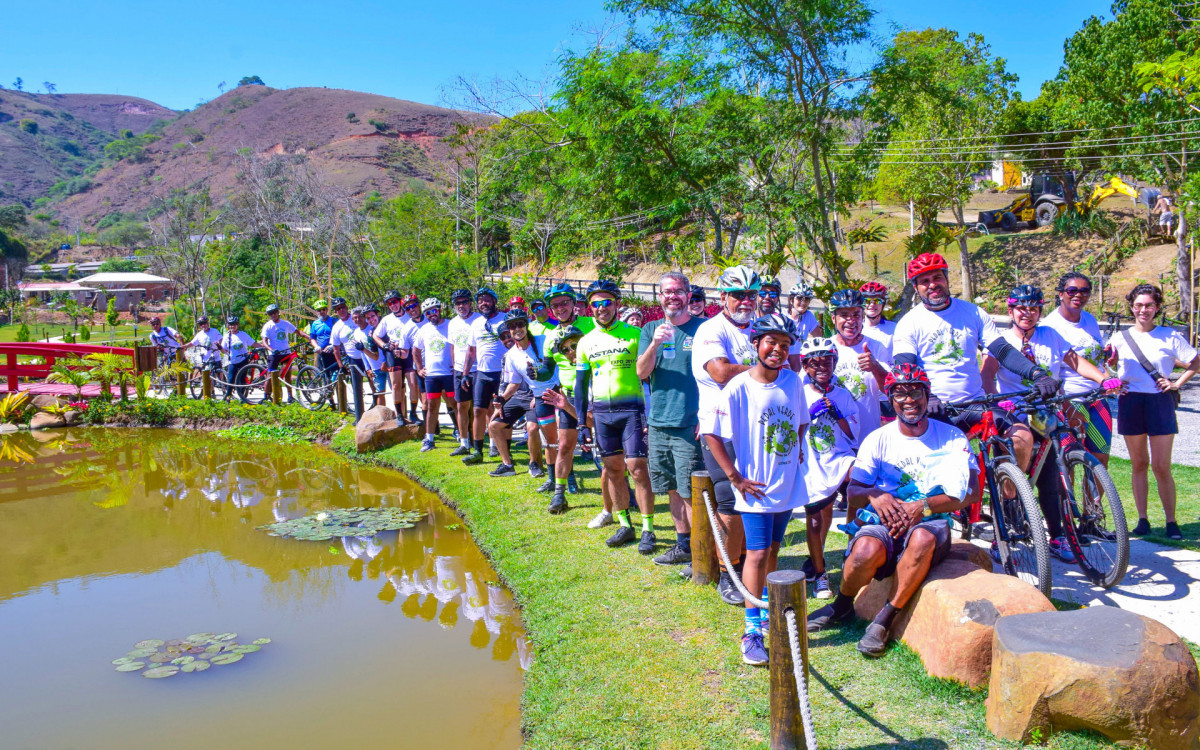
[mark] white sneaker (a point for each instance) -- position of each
(821, 587)
(602, 519)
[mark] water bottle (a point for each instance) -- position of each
(668, 347)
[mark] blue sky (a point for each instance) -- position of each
(176, 53)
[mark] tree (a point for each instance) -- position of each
(12, 217)
(111, 316)
(18, 84)
(120, 265)
(49, 87)
(126, 234)
(29, 126)
(251, 81)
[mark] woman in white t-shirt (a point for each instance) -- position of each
(1146, 412)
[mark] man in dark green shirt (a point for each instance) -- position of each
(665, 362)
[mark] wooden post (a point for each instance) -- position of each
(786, 590)
(206, 385)
(179, 383)
(276, 390)
(704, 543)
(341, 393)
(358, 396)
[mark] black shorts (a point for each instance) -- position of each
(1146, 414)
(405, 363)
(459, 380)
(621, 432)
(274, 358)
(566, 421)
(517, 406)
(438, 385)
(390, 358)
(722, 489)
(487, 385)
(939, 527)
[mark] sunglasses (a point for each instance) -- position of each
(567, 348)
(413, 306)
(537, 308)
(600, 304)
(742, 296)
(768, 293)
(516, 324)
(1071, 291)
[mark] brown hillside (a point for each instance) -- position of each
(200, 148)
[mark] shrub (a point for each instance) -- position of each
(29, 126)
(23, 334)
(379, 125)
(85, 333)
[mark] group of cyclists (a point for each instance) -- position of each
(870, 419)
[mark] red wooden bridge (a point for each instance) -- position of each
(13, 371)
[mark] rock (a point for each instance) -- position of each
(43, 400)
(43, 421)
(73, 417)
(377, 414)
(7, 428)
(374, 436)
(950, 619)
(1123, 675)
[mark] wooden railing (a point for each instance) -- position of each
(12, 369)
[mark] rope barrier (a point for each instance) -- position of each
(751, 599)
(810, 737)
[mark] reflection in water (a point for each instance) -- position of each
(101, 505)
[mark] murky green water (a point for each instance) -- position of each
(110, 537)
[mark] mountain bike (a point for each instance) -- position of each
(163, 383)
(1018, 528)
(1093, 518)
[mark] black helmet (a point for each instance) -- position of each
(605, 286)
(272, 308)
(770, 282)
(1027, 295)
(488, 291)
(390, 295)
(370, 307)
(773, 324)
(845, 298)
(201, 319)
(231, 320)
(516, 315)
(337, 302)
(696, 293)
(460, 294)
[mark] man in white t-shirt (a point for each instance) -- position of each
(721, 350)
(274, 336)
(487, 354)
(433, 356)
(387, 337)
(464, 367)
(762, 416)
(416, 385)
(206, 340)
(166, 338)
(943, 335)
(860, 360)
(912, 473)
(347, 356)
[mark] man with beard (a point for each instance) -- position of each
(464, 368)
(665, 363)
(943, 334)
(912, 474)
(433, 356)
(487, 354)
(606, 364)
(858, 366)
(723, 349)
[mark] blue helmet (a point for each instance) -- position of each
(845, 298)
(561, 289)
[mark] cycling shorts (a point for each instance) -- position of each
(566, 421)
(275, 358)
(517, 406)
(620, 432)
(463, 386)
(764, 530)
(390, 358)
(722, 489)
(439, 385)
(487, 385)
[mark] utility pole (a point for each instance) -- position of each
(457, 209)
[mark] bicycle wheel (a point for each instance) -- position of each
(162, 385)
(1026, 552)
(312, 388)
(195, 385)
(254, 385)
(1098, 533)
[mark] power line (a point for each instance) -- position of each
(1048, 158)
(1038, 132)
(1034, 148)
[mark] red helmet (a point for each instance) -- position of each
(518, 300)
(410, 300)
(905, 373)
(924, 263)
(874, 290)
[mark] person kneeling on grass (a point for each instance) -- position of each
(761, 415)
(913, 473)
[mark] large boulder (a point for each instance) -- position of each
(375, 435)
(42, 400)
(1123, 675)
(949, 621)
(44, 420)
(377, 414)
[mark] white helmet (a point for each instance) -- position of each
(818, 346)
(739, 279)
(431, 303)
(801, 289)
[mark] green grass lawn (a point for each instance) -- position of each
(121, 336)
(1187, 511)
(630, 655)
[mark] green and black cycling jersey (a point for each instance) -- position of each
(606, 363)
(559, 361)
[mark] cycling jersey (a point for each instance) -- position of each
(165, 337)
(320, 329)
(460, 337)
(945, 343)
(566, 370)
(489, 352)
(609, 355)
(1048, 348)
(238, 345)
(1085, 340)
(538, 328)
(276, 334)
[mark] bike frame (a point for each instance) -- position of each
(992, 443)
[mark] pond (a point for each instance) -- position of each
(113, 537)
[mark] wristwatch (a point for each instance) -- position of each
(925, 505)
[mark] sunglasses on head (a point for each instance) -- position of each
(1071, 291)
(600, 304)
(741, 296)
(768, 293)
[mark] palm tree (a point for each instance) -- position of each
(72, 373)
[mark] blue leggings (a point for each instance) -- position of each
(764, 529)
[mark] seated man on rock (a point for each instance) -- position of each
(913, 473)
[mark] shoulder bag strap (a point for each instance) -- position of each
(1141, 358)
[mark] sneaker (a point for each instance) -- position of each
(728, 591)
(874, 641)
(536, 471)
(675, 556)
(808, 569)
(426, 445)
(602, 519)
(546, 486)
(1142, 528)
(1061, 549)
(622, 536)
(821, 588)
(454, 434)
(520, 444)
(841, 504)
(686, 573)
(648, 543)
(503, 470)
(572, 484)
(493, 452)
(558, 504)
(753, 650)
(461, 450)
(825, 617)
(475, 457)
(1173, 532)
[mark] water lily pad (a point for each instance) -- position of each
(148, 643)
(183, 660)
(174, 643)
(227, 659)
(160, 672)
(261, 642)
(142, 653)
(161, 658)
(132, 666)
(195, 666)
(123, 660)
(225, 637)
(246, 649)
(195, 650)
(199, 637)
(214, 649)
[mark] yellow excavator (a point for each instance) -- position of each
(1044, 201)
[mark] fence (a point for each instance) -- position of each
(13, 369)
